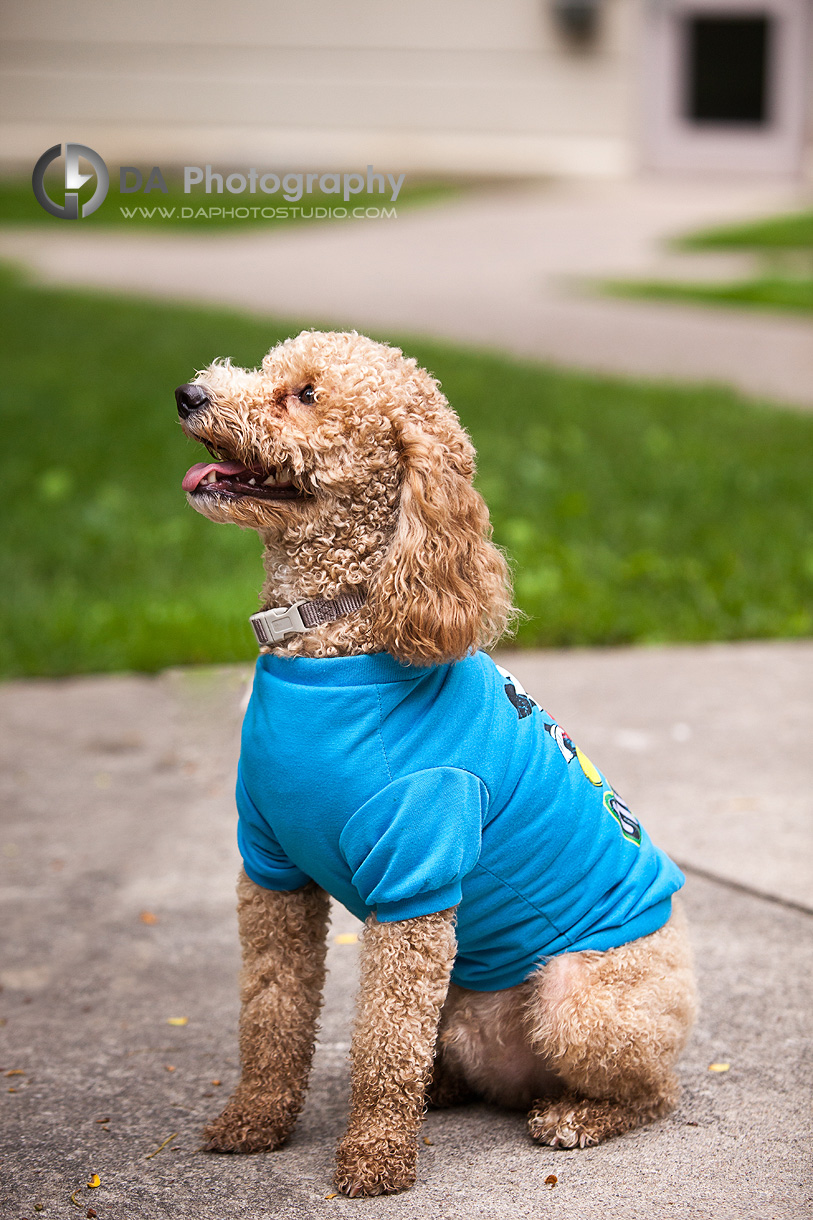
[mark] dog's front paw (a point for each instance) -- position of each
(375, 1166)
(249, 1124)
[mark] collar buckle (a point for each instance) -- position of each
(272, 626)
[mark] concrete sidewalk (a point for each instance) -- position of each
(119, 862)
(508, 269)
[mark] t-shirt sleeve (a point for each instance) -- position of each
(410, 846)
(263, 859)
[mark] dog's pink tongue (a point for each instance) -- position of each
(199, 471)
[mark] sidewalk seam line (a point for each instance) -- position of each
(743, 889)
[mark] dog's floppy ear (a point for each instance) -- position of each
(443, 588)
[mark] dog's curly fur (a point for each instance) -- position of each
(384, 504)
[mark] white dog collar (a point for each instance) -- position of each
(272, 626)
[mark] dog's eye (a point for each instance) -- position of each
(307, 396)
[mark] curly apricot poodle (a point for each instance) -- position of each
(521, 943)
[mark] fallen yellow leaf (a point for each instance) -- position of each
(74, 1199)
(719, 1067)
(148, 917)
(94, 1181)
(346, 938)
(177, 1020)
(333, 1196)
(15, 1072)
(428, 1142)
(169, 1067)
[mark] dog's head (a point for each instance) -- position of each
(342, 442)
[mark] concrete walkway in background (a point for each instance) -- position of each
(506, 269)
(119, 859)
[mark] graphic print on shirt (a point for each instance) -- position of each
(524, 704)
(521, 700)
(570, 751)
(630, 826)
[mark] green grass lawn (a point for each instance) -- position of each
(793, 231)
(163, 212)
(783, 246)
(632, 512)
(792, 293)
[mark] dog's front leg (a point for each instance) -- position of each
(283, 938)
(405, 970)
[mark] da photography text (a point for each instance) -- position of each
(62, 199)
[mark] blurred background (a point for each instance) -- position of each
(585, 87)
(592, 219)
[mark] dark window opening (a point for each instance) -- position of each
(727, 69)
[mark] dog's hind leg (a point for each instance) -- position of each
(283, 939)
(405, 968)
(579, 1122)
(611, 1025)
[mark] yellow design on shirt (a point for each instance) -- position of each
(589, 770)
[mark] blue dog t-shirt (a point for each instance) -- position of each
(405, 790)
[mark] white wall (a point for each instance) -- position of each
(486, 86)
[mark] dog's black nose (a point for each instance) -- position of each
(190, 398)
